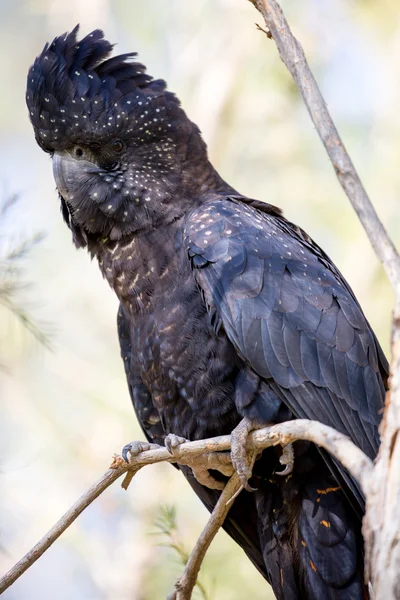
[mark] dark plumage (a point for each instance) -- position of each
(227, 309)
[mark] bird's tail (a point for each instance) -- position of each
(311, 541)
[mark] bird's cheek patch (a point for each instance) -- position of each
(111, 204)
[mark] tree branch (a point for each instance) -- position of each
(340, 446)
(185, 584)
(66, 520)
(293, 56)
(381, 526)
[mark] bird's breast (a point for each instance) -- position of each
(189, 370)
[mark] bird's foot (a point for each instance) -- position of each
(217, 461)
(134, 448)
(172, 442)
(200, 465)
(287, 458)
(241, 458)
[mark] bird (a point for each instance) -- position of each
(230, 318)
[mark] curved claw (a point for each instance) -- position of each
(125, 451)
(246, 485)
(134, 448)
(287, 458)
(286, 471)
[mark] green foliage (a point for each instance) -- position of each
(12, 277)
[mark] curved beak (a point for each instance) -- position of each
(68, 171)
(63, 169)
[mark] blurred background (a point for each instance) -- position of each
(65, 407)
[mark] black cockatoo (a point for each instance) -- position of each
(230, 316)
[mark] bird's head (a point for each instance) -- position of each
(123, 150)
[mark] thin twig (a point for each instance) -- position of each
(293, 56)
(266, 31)
(66, 520)
(339, 445)
(187, 581)
(185, 584)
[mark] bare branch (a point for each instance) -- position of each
(381, 526)
(185, 584)
(337, 444)
(69, 517)
(293, 56)
(340, 446)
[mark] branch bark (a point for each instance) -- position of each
(185, 584)
(334, 442)
(293, 57)
(66, 520)
(381, 527)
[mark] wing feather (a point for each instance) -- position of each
(290, 314)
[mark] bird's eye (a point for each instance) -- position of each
(78, 152)
(117, 146)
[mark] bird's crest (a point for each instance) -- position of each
(75, 90)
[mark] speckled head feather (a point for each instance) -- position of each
(126, 158)
(76, 93)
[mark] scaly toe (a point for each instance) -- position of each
(172, 442)
(205, 478)
(240, 458)
(221, 461)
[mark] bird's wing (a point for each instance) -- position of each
(290, 314)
